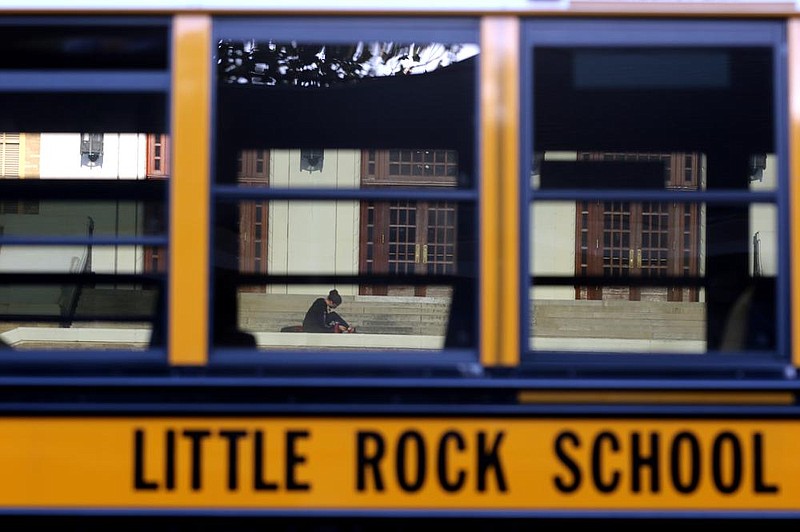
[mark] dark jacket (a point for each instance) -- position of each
(318, 319)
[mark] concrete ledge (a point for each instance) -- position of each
(120, 337)
(617, 345)
(84, 335)
(140, 337)
(345, 341)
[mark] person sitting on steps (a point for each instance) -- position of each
(321, 318)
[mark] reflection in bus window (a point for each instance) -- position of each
(81, 187)
(389, 126)
(633, 264)
(353, 238)
(271, 312)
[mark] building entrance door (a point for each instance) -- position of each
(408, 237)
(641, 239)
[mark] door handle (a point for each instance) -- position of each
(635, 259)
(425, 254)
(416, 253)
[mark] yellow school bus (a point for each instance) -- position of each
(350, 265)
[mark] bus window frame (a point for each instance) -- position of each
(72, 83)
(660, 33)
(346, 30)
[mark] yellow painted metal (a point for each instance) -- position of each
(509, 193)
(307, 463)
(655, 397)
(189, 205)
(499, 191)
(793, 36)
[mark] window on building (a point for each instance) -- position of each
(91, 149)
(9, 155)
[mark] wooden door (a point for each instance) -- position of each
(253, 171)
(158, 166)
(408, 237)
(641, 239)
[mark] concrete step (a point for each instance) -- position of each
(369, 314)
(646, 320)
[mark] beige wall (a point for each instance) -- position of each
(29, 148)
(552, 239)
(314, 236)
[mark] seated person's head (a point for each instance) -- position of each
(334, 299)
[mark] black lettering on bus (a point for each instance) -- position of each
(196, 437)
(441, 462)
(562, 484)
(490, 459)
(372, 461)
(259, 484)
(639, 461)
(293, 459)
(139, 482)
(417, 443)
(597, 462)
(686, 462)
(759, 486)
(690, 442)
(735, 464)
(169, 460)
(233, 437)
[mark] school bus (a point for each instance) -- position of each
(558, 235)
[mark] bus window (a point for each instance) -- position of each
(654, 172)
(83, 215)
(345, 160)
